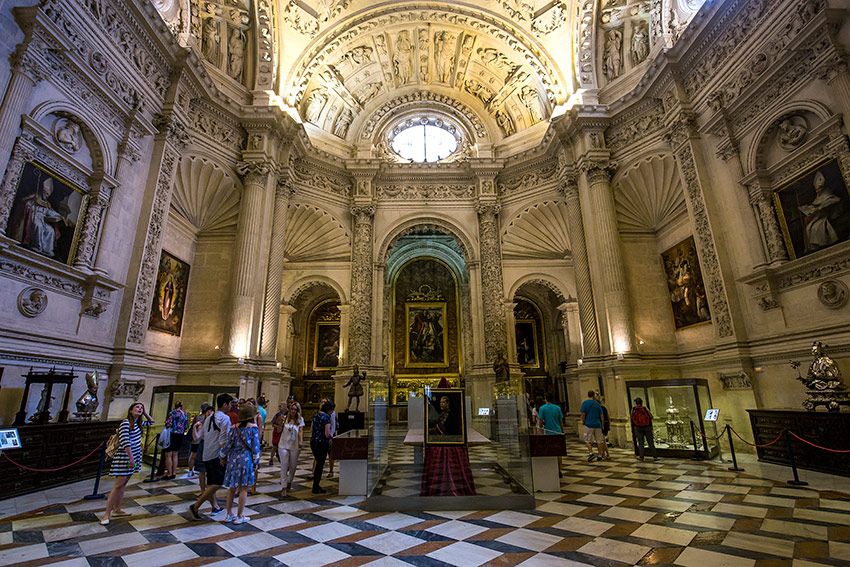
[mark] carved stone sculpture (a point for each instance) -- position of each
(791, 132)
(314, 106)
(236, 48)
(528, 96)
(211, 44)
(613, 60)
(343, 122)
(833, 294)
(32, 302)
(822, 381)
(403, 57)
(87, 404)
(443, 55)
(640, 43)
(127, 389)
(355, 388)
(68, 135)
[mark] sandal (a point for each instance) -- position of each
(121, 514)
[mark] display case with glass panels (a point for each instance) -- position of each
(676, 405)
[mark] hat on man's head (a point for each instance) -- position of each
(247, 412)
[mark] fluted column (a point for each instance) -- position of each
(23, 152)
(360, 331)
(584, 286)
(26, 73)
(344, 325)
(256, 176)
(616, 296)
(492, 283)
(91, 226)
(510, 331)
(836, 74)
(570, 321)
(274, 278)
(760, 199)
(284, 338)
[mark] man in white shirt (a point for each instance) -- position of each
(215, 433)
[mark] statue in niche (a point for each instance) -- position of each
(355, 391)
(236, 49)
(640, 43)
(612, 64)
(68, 135)
(211, 44)
(443, 58)
(501, 368)
(370, 92)
(504, 121)
(343, 122)
(87, 404)
(791, 132)
(528, 96)
(314, 106)
(403, 57)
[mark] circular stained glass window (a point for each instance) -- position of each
(424, 140)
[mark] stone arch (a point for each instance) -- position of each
(545, 280)
(103, 158)
(299, 286)
(755, 151)
(408, 224)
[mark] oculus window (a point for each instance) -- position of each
(424, 140)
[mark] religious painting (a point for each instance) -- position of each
(326, 353)
(426, 346)
(684, 282)
(526, 343)
(169, 297)
(46, 214)
(814, 210)
(444, 417)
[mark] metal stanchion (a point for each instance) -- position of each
(734, 466)
(796, 480)
(95, 495)
(152, 477)
(697, 456)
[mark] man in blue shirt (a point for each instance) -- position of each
(550, 417)
(591, 417)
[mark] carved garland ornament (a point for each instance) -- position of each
(360, 336)
(495, 337)
(392, 106)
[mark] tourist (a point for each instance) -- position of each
(606, 423)
(320, 436)
(232, 412)
(591, 419)
(127, 459)
(197, 427)
(242, 454)
(642, 424)
(535, 412)
(277, 428)
(550, 419)
(178, 424)
(330, 442)
(214, 438)
(289, 447)
(206, 411)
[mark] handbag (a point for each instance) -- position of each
(112, 445)
(164, 441)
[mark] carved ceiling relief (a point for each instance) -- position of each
(623, 39)
(424, 55)
(222, 36)
(308, 17)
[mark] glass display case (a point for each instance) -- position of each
(675, 405)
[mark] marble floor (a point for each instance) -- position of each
(610, 513)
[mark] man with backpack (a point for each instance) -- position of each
(642, 424)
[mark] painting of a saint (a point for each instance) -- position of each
(45, 214)
(169, 296)
(815, 210)
(444, 417)
(526, 344)
(425, 340)
(684, 281)
(326, 355)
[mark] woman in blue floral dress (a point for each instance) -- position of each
(243, 456)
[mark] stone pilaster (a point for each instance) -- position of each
(344, 327)
(492, 283)
(510, 332)
(22, 153)
(617, 308)
(26, 74)
(760, 195)
(836, 74)
(571, 323)
(98, 202)
(242, 336)
(360, 330)
(584, 285)
(274, 279)
(284, 348)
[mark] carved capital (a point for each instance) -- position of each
(255, 172)
(22, 61)
(363, 213)
(681, 129)
(172, 128)
(831, 70)
(598, 171)
(285, 188)
(568, 187)
(488, 211)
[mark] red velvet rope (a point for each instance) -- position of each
(778, 437)
(807, 442)
(75, 463)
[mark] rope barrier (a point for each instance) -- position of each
(807, 442)
(75, 463)
(722, 432)
(778, 437)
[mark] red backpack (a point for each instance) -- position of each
(641, 417)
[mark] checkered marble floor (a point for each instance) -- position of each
(611, 513)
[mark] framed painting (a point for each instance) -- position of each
(46, 213)
(814, 210)
(526, 344)
(684, 282)
(326, 346)
(444, 417)
(425, 339)
(169, 298)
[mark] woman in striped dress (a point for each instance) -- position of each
(127, 460)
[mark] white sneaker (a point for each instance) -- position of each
(229, 518)
(241, 520)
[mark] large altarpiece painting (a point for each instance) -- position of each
(684, 281)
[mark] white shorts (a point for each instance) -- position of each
(594, 434)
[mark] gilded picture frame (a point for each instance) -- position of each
(169, 298)
(326, 345)
(688, 298)
(445, 420)
(527, 351)
(425, 336)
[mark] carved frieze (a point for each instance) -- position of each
(428, 192)
(422, 96)
(307, 174)
(536, 176)
(739, 381)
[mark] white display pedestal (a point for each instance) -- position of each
(544, 474)
(352, 477)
